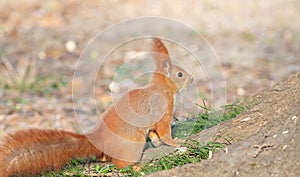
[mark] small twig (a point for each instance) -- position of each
(260, 148)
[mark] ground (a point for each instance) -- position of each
(263, 141)
(257, 44)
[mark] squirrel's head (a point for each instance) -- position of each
(179, 76)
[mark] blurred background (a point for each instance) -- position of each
(257, 43)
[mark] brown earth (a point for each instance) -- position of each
(264, 141)
(258, 44)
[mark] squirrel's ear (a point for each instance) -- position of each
(162, 57)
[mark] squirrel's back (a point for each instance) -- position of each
(34, 150)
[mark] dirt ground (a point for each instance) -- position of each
(257, 44)
(263, 141)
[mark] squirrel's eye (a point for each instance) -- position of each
(179, 74)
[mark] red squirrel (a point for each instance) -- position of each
(120, 135)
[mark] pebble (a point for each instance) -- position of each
(209, 154)
(294, 117)
(1, 117)
(42, 55)
(284, 147)
(226, 150)
(70, 46)
(241, 91)
(285, 132)
(245, 119)
(182, 149)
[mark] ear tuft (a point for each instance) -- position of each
(159, 47)
(161, 55)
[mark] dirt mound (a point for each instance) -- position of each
(262, 142)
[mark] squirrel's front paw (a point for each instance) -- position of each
(156, 141)
(154, 138)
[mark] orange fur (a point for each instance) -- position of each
(120, 134)
(33, 151)
(154, 138)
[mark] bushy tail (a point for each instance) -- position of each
(33, 151)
